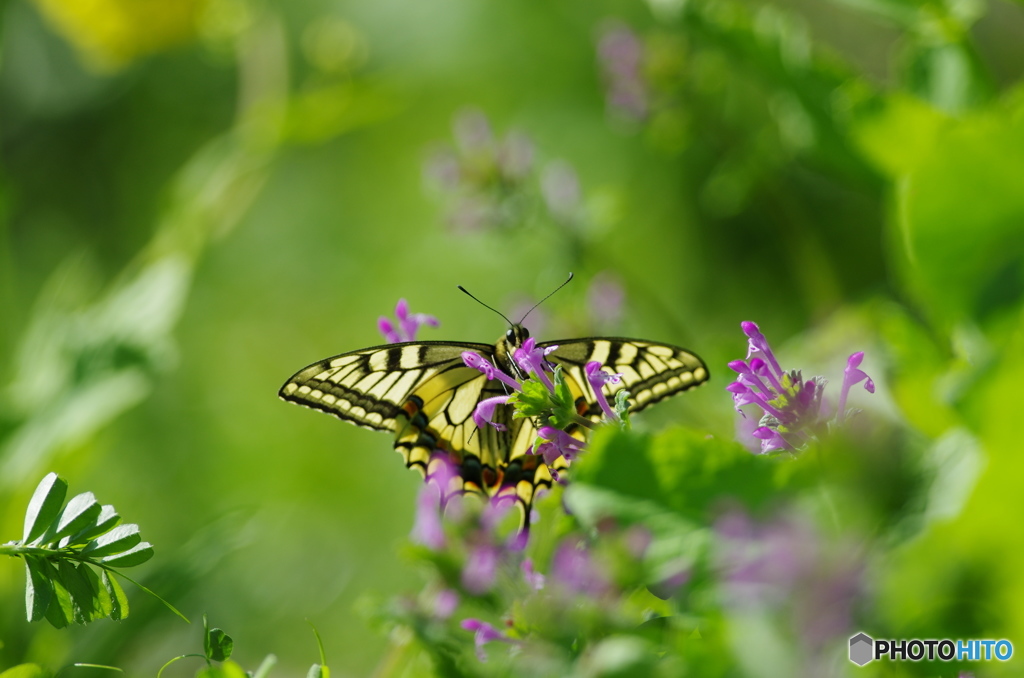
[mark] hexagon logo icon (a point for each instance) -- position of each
(861, 649)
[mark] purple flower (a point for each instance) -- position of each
(533, 578)
(495, 511)
(785, 566)
(637, 540)
(559, 444)
(621, 55)
(481, 568)
(576, 570)
(445, 603)
(440, 473)
(561, 190)
(794, 409)
(408, 324)
(483, 633)
(442, 168)
(598, 378)
(515, 157)
(484, 178)
(530, 358)
(852, 376)
(478, 362)
(427, 528)
(484, 412)
(473, 132)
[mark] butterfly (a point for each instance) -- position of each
(425, 394)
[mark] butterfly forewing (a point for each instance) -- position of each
(650, 370)
(369, 387)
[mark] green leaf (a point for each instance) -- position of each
(61, 610)
(226, 670)
(118, 599)
(324, 672)
(315, 671)
(84, 597)
(622, 407)
(263, 670)
(696, 473)
(104, 604)
(676, 542)
(947, 73)
(136, 555)
(958, 210)
(564, 405)
(106, 521)
(38, 589)
(44, 506)
(81, 513)
(899, 134)
(618, 460)
(217, 644)
(25, 671)
(117, 540)
(533, 401)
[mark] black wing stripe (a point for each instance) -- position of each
(650, 371)
(368, 387)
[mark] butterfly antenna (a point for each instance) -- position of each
(483, 304)
(545, 298)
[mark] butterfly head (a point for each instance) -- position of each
(516, 335)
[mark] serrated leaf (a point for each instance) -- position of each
(61, 610)
(117, 540)
(136, 555)
(44, 506)
(81, 513)
(83, 596)
(533, 400)
(104, 605)
(118, 600)
(38, 590)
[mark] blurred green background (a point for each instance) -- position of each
(198, 198)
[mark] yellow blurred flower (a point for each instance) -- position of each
(110, 34)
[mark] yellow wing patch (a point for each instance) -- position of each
(650, 371)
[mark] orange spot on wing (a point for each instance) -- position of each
(491, 477)
(582, 406)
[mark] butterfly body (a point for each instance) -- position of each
(425, 394)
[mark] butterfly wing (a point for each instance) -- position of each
(425, 394)
(650, 370)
